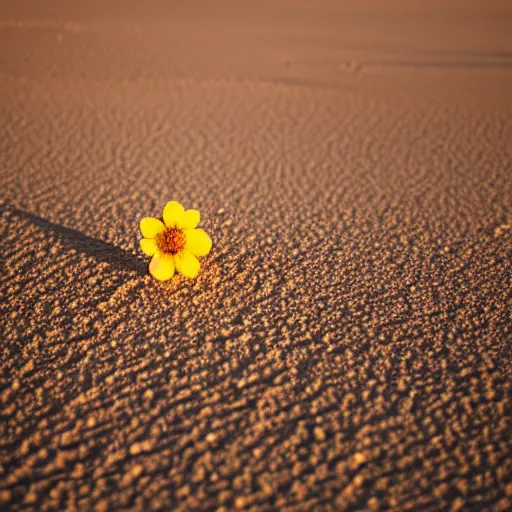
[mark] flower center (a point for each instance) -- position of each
(171, 241)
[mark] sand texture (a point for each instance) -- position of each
(347, 345)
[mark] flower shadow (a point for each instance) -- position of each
(117, 258)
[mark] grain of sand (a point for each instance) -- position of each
(347, 344)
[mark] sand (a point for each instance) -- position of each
(347, 345)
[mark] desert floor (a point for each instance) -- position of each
(347, 345)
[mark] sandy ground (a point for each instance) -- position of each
(347, 345)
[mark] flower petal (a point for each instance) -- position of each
(161, 267)
(189, 220)
(173, 212)
(148, 246)
(187, 264)
(198, 242)
(150, 227)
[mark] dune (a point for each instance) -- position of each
(347, 344)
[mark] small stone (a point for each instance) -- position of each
(358, 480)
(206, 412)
(240, 502)
(31, 498)
(373, 504)
(135, 449)
(101, 506)
(137, 470)
(149, 394)
(66, 439)
(78, 471)
(358, 459)
(458, 504)
(319, 434)
(183, 492)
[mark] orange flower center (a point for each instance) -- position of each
(171, 241)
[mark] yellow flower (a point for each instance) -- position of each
(175, 243)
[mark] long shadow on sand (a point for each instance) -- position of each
(74, 239)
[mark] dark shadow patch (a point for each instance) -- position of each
(117, 258)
